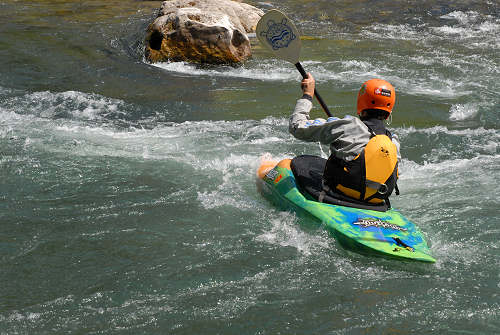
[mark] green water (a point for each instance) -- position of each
(127, 195)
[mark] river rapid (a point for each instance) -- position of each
(127, 190)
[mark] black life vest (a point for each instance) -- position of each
(372, 175)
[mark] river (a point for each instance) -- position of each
(127, 196)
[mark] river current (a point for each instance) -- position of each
(127, 190)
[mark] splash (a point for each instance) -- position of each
(286, 232)
(459, 112)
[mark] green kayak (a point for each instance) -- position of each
(378, 231)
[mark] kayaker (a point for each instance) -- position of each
(363, 164)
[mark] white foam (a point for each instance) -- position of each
(229, 173)
(286, 232)
(431, 84)
(357, 65)
(438, 174)
(460, 112)
(396, 32)
(460, 16)
(478, 30)
(267, 70)
(437, 87)
(223, 150)
(490, 147)
(82, 106)
(447, 30)
(477, 132)
(275, 121)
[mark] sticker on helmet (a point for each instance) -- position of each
(383, 91)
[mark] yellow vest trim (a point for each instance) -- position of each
(349, 191)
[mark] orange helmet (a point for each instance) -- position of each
(376, 94)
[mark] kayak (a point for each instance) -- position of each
(364, 228)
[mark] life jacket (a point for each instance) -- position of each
(372, 175)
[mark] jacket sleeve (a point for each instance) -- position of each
(303, 128)
(318, 130)
(347, 136)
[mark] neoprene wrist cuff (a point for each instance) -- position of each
(307, 96)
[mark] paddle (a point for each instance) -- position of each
(280, 35)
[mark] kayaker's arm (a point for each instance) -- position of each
(348, 133)
(308, 85)
(299, 121)
(318, 130)
(299, 125)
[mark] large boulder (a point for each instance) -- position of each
(201, 31)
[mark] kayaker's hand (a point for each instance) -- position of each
(308, 85)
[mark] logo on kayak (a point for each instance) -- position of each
(279, 35)
(274, 176)
(365, 223)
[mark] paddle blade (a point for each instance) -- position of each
(280, 35)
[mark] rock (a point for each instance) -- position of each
(201, 31)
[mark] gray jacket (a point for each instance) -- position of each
(347, 137)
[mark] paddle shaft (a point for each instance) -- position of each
(316, 94)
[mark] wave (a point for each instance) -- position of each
(270, 70)
(428, 75)
(472, 27)
(429, 172)
(69, 104)
(470, 24)
(352, 72)
(495, 133)
(404, 32)
(93, 125)
(91, 118)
